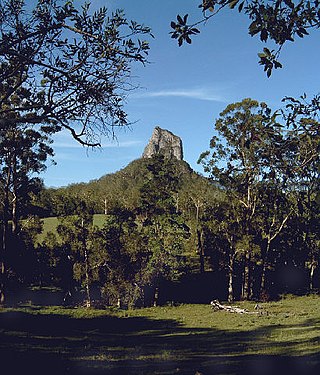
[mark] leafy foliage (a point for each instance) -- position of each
(182, 31)
(70, 67)
(278, 21)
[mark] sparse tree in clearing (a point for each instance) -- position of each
(227, 231)
(275, 208)
(55, 261)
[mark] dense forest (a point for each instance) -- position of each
(165, 233)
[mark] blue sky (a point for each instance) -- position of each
(184, 89)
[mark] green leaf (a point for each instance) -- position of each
(269, 71)
(302, 32)
(188, 40)
(277, 65)
(254, 28)
(267, 51)
(241, 7)
(180, 20)
(195, 31)
(264, 35)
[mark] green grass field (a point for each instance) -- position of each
(187, 339)
(50, 225)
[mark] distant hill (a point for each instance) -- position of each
(119, 188)
(122, 187)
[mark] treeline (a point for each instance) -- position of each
(253, 225)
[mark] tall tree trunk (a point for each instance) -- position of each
(14, 214)
(264, 268)
(200, 249)
(156, 296)
(156, 291)
(87, 278)
(5, 232)
(105, 201)
(3, 252)
(312, 270)
(119, 302)
(86, 263)
(14, 210)
(230, 274)
(2, 264)
(246, 277)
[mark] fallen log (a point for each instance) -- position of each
(216, 306)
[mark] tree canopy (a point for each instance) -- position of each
(67, 67)
(275, 21)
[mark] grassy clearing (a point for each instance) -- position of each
(50, 225)
(184, 339)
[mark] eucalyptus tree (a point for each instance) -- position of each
(304, 140)
(223, 226)
(242, 154)
(299, 193)
(275, 207)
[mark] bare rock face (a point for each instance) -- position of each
(164, 142)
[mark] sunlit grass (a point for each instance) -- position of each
(183, 335)
(50, 224)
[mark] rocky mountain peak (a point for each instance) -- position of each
(164, 142)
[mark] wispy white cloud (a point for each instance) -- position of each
(62, 156)
(74, 144)
(90, 159)
(192, 93)
(120, 144)
(65, 141)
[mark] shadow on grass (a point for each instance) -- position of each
(58, 344)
